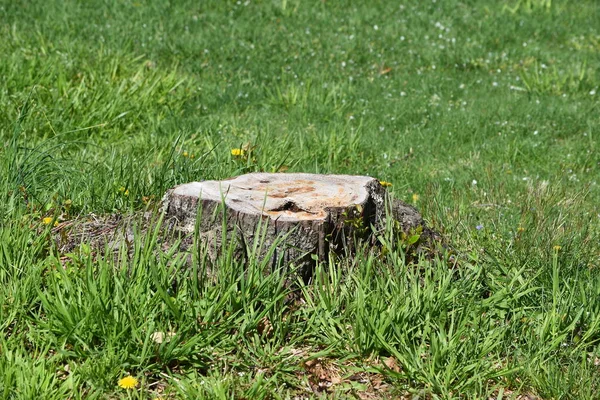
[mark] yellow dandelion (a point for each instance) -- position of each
(557, 248)
(520, 229)
(185, 154)
(129, 382)
(415, 197)
(385, 183)
(237, 152)
(48, 221)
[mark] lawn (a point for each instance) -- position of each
(484, 114)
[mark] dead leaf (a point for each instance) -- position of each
(265, 327)
(323, 374)
(392, 364)
(162, 337)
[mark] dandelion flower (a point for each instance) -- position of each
(185, 154)
(237, 152)
(520, 229)
(48, 221)
(415, 197)
(557, 248)
(129, 382)
(385, 184)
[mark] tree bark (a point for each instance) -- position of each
(299, 217)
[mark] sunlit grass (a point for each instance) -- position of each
(484, 116)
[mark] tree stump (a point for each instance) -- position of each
(301, 217)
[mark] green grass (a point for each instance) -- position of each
(489, 111)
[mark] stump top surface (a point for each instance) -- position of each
(281, 196)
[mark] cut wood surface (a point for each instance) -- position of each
(301, 215)
(282, 197)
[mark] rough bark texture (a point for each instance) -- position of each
(300, 216)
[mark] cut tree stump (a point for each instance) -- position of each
(302, 217)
